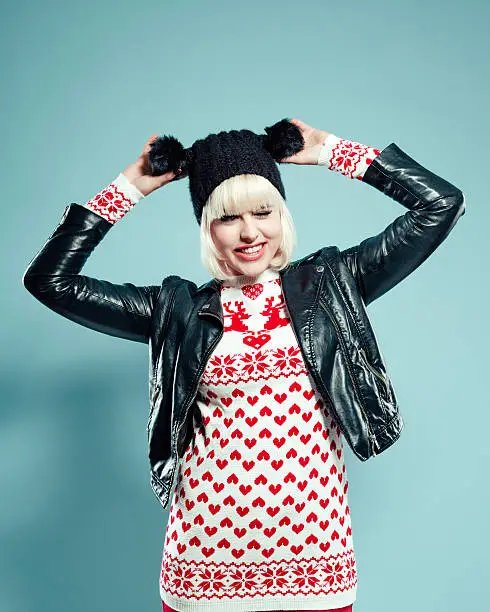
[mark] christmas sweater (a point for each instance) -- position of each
(259, 518)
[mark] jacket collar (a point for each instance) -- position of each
(212, 285)
(211, 299)
(210, 291)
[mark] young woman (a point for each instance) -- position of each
(258, 376)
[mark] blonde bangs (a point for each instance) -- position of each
(240, 193)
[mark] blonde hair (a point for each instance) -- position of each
(232, 197)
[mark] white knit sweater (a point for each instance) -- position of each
(259, 518)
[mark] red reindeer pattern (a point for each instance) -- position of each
(237, 316)
(273, 312)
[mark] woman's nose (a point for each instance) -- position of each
(248, 231)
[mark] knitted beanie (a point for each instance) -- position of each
(211, 160)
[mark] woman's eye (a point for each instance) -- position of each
(226, 218)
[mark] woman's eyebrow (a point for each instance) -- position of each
(263, 206)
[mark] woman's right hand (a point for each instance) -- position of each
(138, 172)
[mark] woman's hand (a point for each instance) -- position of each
(138, 173)
(314, 140)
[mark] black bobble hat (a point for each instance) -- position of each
(211, 160)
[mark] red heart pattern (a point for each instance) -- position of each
(260, 508)
(256, 340)
(253, 291)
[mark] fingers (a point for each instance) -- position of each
(301, 124)
(146, 148)
(169, 177)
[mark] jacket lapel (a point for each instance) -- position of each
(205, 324)
(300, 287)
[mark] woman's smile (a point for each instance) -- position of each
(251, 253)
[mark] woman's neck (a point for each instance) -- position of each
(246, 279)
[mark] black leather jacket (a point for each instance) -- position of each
(326, 294)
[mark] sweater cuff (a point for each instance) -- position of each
(348, 157)
(116, 199)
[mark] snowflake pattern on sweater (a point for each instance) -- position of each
(115, 200)
(348, 157)
(260, 518)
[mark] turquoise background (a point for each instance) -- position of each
(84, 85)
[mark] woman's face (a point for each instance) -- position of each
(257, 226)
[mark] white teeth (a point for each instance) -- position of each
(252, 249)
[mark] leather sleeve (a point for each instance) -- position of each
(53, 278)
(380, 262)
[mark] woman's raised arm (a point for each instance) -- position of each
(52, 276)
(380, 262)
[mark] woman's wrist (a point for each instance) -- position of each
(129, 189)
(115, 200)
(348, 157)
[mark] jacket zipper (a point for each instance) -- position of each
(157, 361)
(173, 384)
(344, 348)
(189, 403)
(374, 371)
(164, 328)
(350, 314)
(153, 398)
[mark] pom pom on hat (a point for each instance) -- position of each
(167, 154)
(283, 139)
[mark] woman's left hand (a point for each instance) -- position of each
(314, 140)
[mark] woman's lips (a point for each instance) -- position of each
(251, 256)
